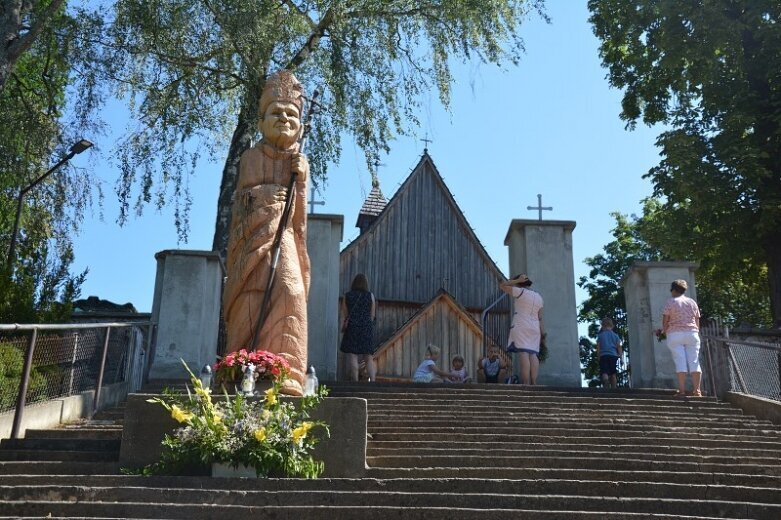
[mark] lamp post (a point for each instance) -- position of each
(77, 148)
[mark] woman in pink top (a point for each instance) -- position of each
(681, 324)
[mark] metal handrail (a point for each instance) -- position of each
(483, 316)
(28, 360)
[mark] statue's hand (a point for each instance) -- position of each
(300, 166)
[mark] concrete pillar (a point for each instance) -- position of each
(324, 234)
(186, 307)
(543, 250)
(646, 290)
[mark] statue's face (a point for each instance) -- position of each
(281, 124)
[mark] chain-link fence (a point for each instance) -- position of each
(64, 360)
(749, 367)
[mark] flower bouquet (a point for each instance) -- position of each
(660, 335)
(273, 436)
(229, 370)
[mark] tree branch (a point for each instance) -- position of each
(23, 42)
(292, 5)
(313, 41)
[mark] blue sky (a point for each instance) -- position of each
(549, 126)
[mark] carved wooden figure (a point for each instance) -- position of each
(261, 191)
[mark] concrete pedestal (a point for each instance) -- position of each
(324, 233)
(543, 250)
(186, 307)
(647, 289)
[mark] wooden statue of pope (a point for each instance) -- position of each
(261, 191)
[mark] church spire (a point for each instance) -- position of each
(372, 206)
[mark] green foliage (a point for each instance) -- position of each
(711, 72)
(272, 435)
(37, 126)
(11, 368)
(193, 71)
(605, 292)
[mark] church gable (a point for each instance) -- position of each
(420, 243)
(442, 322)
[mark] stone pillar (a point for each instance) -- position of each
(543, 250)
(186, 308)
(324, 234)
(646, 290)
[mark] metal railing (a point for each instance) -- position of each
(495, 320)
(51, 361)
(749, 367)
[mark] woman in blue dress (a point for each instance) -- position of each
(359, 311)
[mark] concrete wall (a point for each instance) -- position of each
(324, 233)
(543, 250)
(186, 307)
(759, 407)
(49, 414)
(647, 289)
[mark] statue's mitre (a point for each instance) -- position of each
(282, 86)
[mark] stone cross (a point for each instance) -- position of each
(313, 202)
(539, 207)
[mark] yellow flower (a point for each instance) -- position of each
(180, 415)
(260, 434)
(271, 397)
(300, 432)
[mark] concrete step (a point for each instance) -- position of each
(62, 455)
(679, 477)
(596, 430)
(75, 433)
(66, 444)
(573, 418)
(190, 503)
(94, 510)
(24, 487)
(534, 400)
(514, 435)
(679, 453)
(58, 467)
(489, 410)
(571, 462)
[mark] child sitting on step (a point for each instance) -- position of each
(428, 371)
(491, 366)
(458, 373)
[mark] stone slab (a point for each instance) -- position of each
(344, 453)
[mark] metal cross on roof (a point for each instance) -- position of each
(313, 202)
(427, 141)
(539, 207)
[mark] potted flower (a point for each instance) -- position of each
(267, 367)
(267, 435)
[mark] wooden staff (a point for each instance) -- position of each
(276, 247)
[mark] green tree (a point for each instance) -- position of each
(193, 71)
(711, 71)
(37, 126)
(604, 289)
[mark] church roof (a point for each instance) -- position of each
(374, 203)
(441, 299)
(423, 198)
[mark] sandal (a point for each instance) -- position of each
(697, 393)
(680, 394)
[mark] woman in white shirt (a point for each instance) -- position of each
(527, 327)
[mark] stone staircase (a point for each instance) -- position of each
(487, 451)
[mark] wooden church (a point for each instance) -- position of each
(430, 274)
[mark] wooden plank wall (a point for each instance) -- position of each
(441, 325)
(419, 246)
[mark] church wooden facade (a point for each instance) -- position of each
(419, 251)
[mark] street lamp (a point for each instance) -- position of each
(77, 148)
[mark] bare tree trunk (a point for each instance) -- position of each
(241, 141)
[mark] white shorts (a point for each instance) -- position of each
(685, 348)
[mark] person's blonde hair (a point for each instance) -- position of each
(433, 349)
